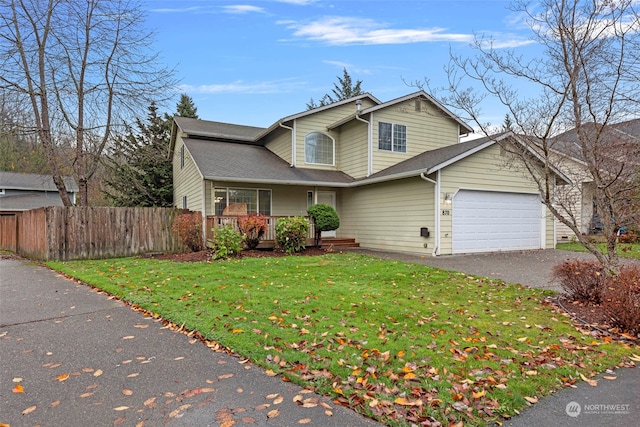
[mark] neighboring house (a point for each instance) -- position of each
(620, 143)
(396, 172)
(24, 191)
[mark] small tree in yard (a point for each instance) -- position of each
(253, 227)
(324, 218)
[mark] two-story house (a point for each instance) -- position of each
(396, 172)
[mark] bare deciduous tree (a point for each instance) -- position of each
(585, 80)
(85, 66)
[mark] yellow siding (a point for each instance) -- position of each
(318, 123)
(427, 129)
(279, 142)
(388, 216)
(187, 181)
(352, 149)
(485, 170)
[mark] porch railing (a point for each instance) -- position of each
(268, 238)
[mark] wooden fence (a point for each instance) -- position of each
(67, 233)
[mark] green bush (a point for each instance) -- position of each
(253, 226)
(226, 242)
(188, 227)
(291, 233)
(325, 218)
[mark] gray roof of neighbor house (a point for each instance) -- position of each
(217, 130)
(613, 135)
(34, 182)
(238, 162)
(28, 201)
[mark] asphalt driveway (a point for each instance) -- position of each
(529, 268)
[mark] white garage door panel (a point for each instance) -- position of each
(485, 221)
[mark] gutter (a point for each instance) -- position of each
(369, 142)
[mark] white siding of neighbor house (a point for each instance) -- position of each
(388, 216)
(187, 181)
(485, 170)
(427, 129)
(577, 197)
(352, 149)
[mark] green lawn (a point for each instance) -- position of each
(625, 250)
(395, 341)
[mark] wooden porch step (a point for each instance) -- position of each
(339, 242)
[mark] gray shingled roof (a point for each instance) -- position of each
(616, 133)
(28, 201)
(253, 163)
(430, 160)
(34, 182)
(219, 130)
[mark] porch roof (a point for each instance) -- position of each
(250, 163)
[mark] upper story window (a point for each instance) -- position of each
(318, 149)
(392, 137)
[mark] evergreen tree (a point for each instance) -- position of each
(140, 174)
(343, 89)
(138, 168)
(186, 107)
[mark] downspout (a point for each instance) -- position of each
(293, 144)
(369, 144)
(436, 202)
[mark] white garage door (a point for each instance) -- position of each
(485, 221)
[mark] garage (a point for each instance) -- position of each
(488, 221)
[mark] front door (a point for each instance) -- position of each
(327, 198)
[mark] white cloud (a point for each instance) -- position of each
(241, 87)
(242, 8)
(340, 31)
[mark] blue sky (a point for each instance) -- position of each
(253, 62)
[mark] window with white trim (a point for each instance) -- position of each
(319, 149)
(242, 201)
(392, 137)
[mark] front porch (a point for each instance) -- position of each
(268, 241)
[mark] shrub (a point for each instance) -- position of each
(291, 233)
(324, 218)
(581, 280)
(226, 242)
(621, 299)
(253, 227)
(188, 227)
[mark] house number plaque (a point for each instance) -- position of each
(446, 212)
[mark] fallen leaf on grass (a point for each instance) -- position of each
(531, 399)
(406, 402)
(29, 410)
(635, 358)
